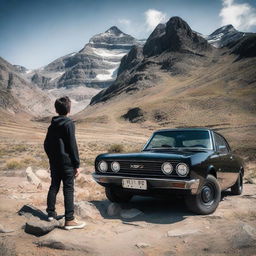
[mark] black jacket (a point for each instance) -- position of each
(60, 144)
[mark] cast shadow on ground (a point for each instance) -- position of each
(155, 210)
(29, 210)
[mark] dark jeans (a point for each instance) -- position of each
(67, 177)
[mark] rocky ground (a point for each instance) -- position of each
(145, 226)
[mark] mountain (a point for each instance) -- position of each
(81, 75)
(224, 36)
(20, 96)
(184, 82)
(94, 66)
(20, 69)
(172, 47)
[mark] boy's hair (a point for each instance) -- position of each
(63, 105)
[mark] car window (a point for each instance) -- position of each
(160, 140)
(221, 144)
(181, 139)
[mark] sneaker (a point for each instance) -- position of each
(73, 224)
(52, 217)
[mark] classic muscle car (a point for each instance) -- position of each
(197, 163)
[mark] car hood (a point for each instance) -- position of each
(150, 155)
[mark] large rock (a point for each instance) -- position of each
(87, 210)
(244, 237)
(5, 230)
(114, 209)
(38, 227)
(130, 213)
(62, 240)
(31, 177)
(84, 181)
(134, 115)
(43, 175)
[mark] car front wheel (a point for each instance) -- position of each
(117, 195)
(207, 200)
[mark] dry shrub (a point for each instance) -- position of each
(116, 148)
(18, 163)
(12, 164)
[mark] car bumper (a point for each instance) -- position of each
(153, 183)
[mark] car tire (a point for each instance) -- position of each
(117, 195)
(237, 188)
(207, 200)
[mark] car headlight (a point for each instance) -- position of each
(103, 166)
(167, 168)
(115, 166)
(182, 169)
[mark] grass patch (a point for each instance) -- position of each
(116, 148)
(18, 163)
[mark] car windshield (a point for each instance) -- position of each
(180, 139)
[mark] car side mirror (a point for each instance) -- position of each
(222, 148)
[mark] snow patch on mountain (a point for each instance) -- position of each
(223, 36)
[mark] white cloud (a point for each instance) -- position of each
(241, 16)
(153, 18)
(124, 22)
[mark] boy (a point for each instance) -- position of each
(61, 149)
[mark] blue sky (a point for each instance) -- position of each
(35, 32)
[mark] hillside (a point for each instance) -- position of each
(183, 82)
(20, 96)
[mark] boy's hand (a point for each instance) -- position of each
(77, 172)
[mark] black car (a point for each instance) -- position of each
(197, 163)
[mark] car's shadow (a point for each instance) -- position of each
(155, 210)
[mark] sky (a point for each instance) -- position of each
(35, 32)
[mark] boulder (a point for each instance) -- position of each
(38, 227)
(5, 230)
(84, 180)
(130, 213)
(134, 115)
(31, 177)
(114, 209)
(43, 175)
(58, 239)
(87, 210)
(244, 237)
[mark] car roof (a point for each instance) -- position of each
(183, 129)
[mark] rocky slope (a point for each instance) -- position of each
(224, 36)
(18, 95)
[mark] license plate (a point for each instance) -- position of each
(135, 184)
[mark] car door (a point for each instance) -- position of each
(227, 171)
(219, 160)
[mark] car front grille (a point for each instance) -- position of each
(143, 168)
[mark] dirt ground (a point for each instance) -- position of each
(166, 227)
